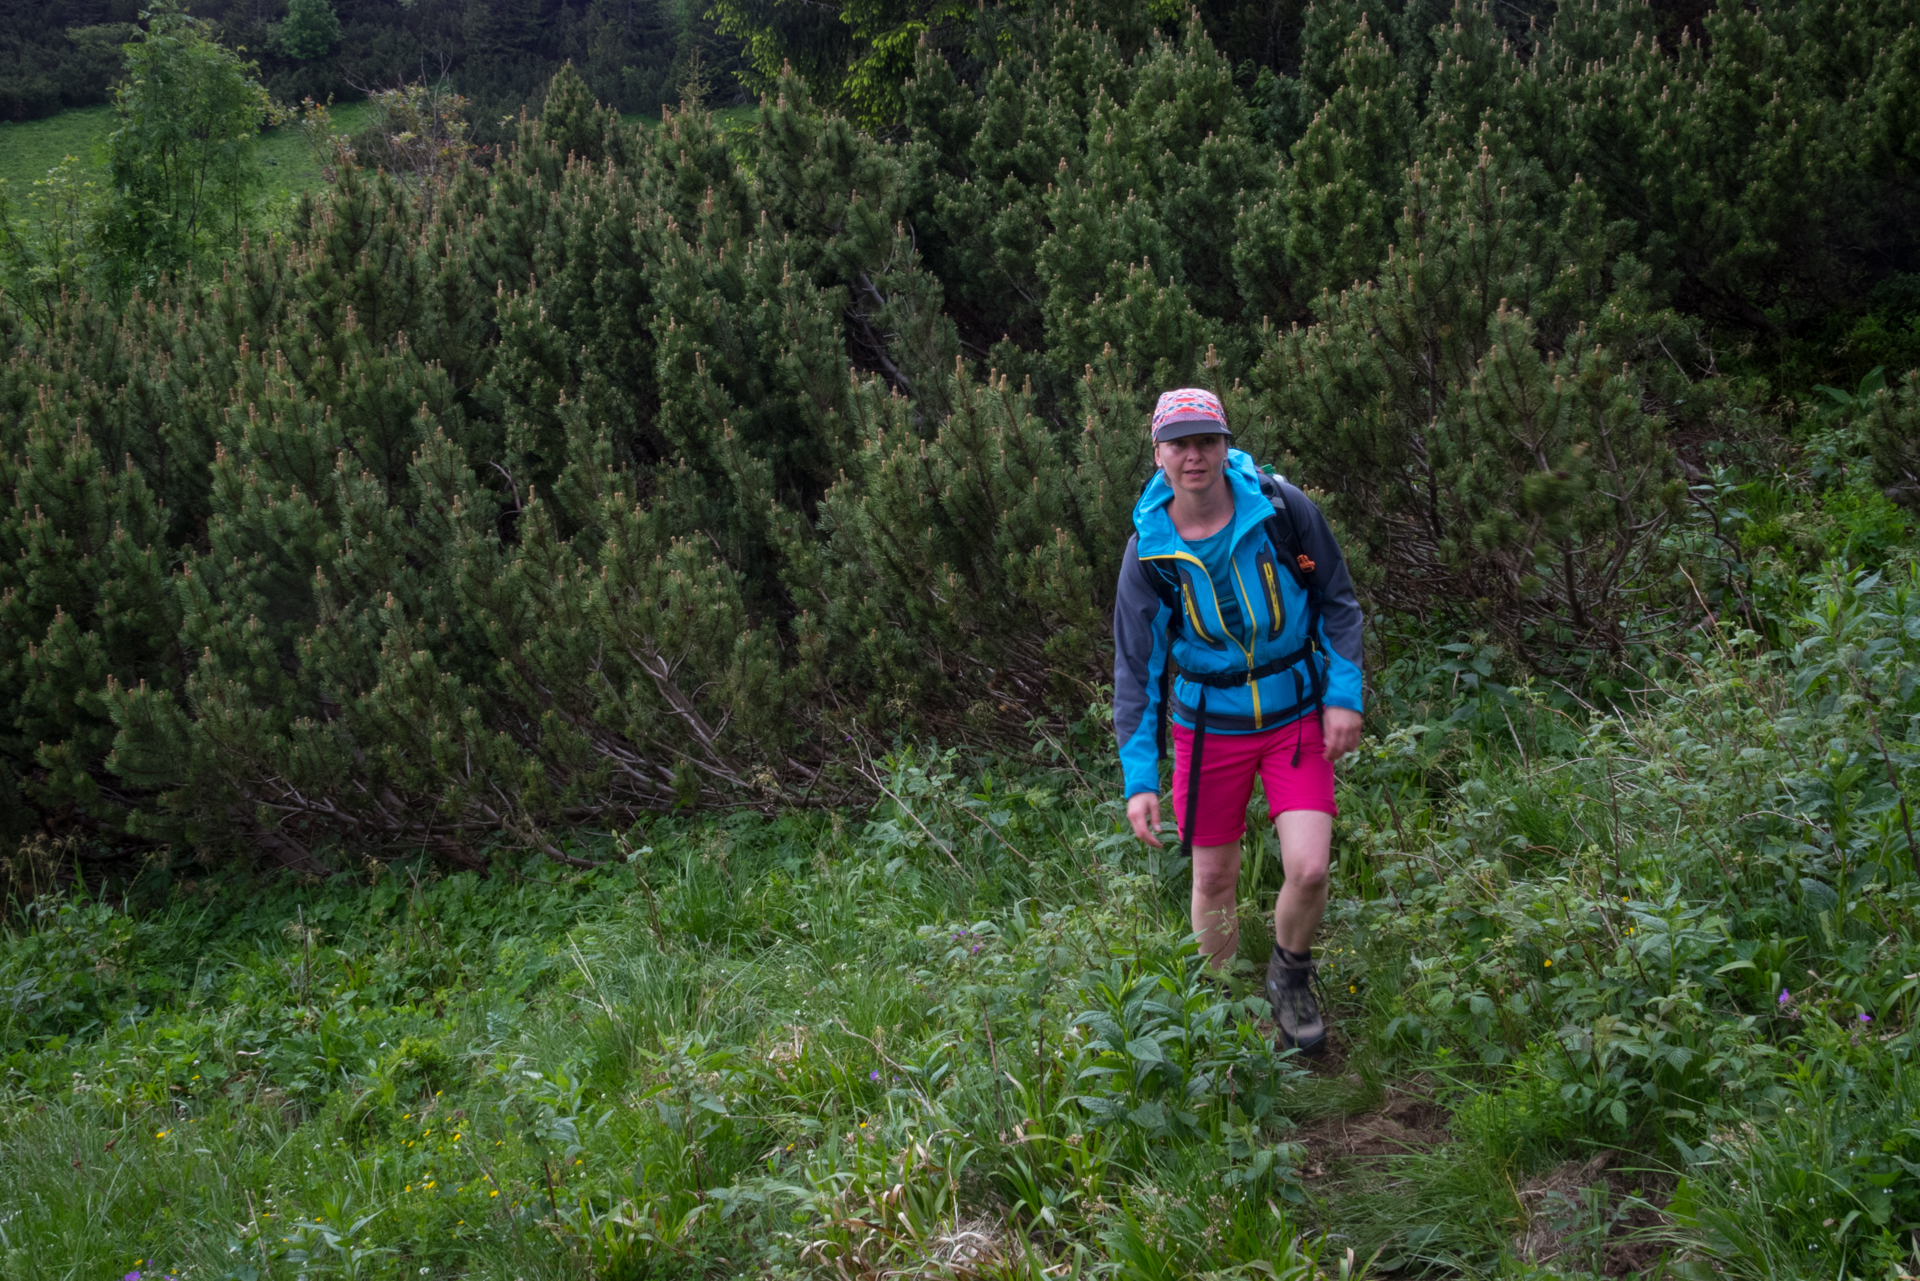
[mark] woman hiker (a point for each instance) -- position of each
(1232, 585)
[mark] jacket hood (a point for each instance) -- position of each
(1151, 522)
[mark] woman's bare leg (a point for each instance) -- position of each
(1306, 844)
(1216, 919)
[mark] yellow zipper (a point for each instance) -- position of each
(1193, 610)
(1253, 631)
(1270, 580)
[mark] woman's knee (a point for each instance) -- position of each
(1215, 876)
(1216, 884)
(1306, 848)
(1308, 876)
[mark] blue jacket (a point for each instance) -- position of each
(1267, 594)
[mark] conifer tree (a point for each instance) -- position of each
(1342, 186)
(572, 122)
(1893, 438)
(1502, 474)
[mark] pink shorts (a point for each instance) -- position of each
(1228, 765)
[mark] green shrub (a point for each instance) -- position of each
(418, 1065)
(1162, 1051)
(310, 30)
(1826, 1180)
(655, 467)
(1624, 971)
(1892, 429)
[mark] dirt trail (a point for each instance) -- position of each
(1594, 1213)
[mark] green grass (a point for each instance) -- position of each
(289, 165)
(857, 1045)
(29, 148)
(779, 1008)
(727, 118)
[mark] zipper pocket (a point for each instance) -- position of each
(1269, 572)
(1191, 599)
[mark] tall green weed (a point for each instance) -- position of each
(1681, 924)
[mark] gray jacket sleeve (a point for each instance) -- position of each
(1139, 656)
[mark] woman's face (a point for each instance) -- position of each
(1193, 464)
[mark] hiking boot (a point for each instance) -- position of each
(1295, 1012)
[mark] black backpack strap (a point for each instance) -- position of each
(1193, 774)
(1285, 536)
(1165, 581)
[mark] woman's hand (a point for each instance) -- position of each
(1340, 727)
(1143, 811)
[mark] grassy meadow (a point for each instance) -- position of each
(1618, 991)
(29, 148)
(729, 119)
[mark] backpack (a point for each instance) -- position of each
(1285, 537)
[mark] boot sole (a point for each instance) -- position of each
(1311, 1049)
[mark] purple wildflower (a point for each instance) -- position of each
(874, 1075)
(1866, 1018)
(131, 1276)
(973, 949)
(1783, 996)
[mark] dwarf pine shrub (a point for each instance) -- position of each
(652, 467)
